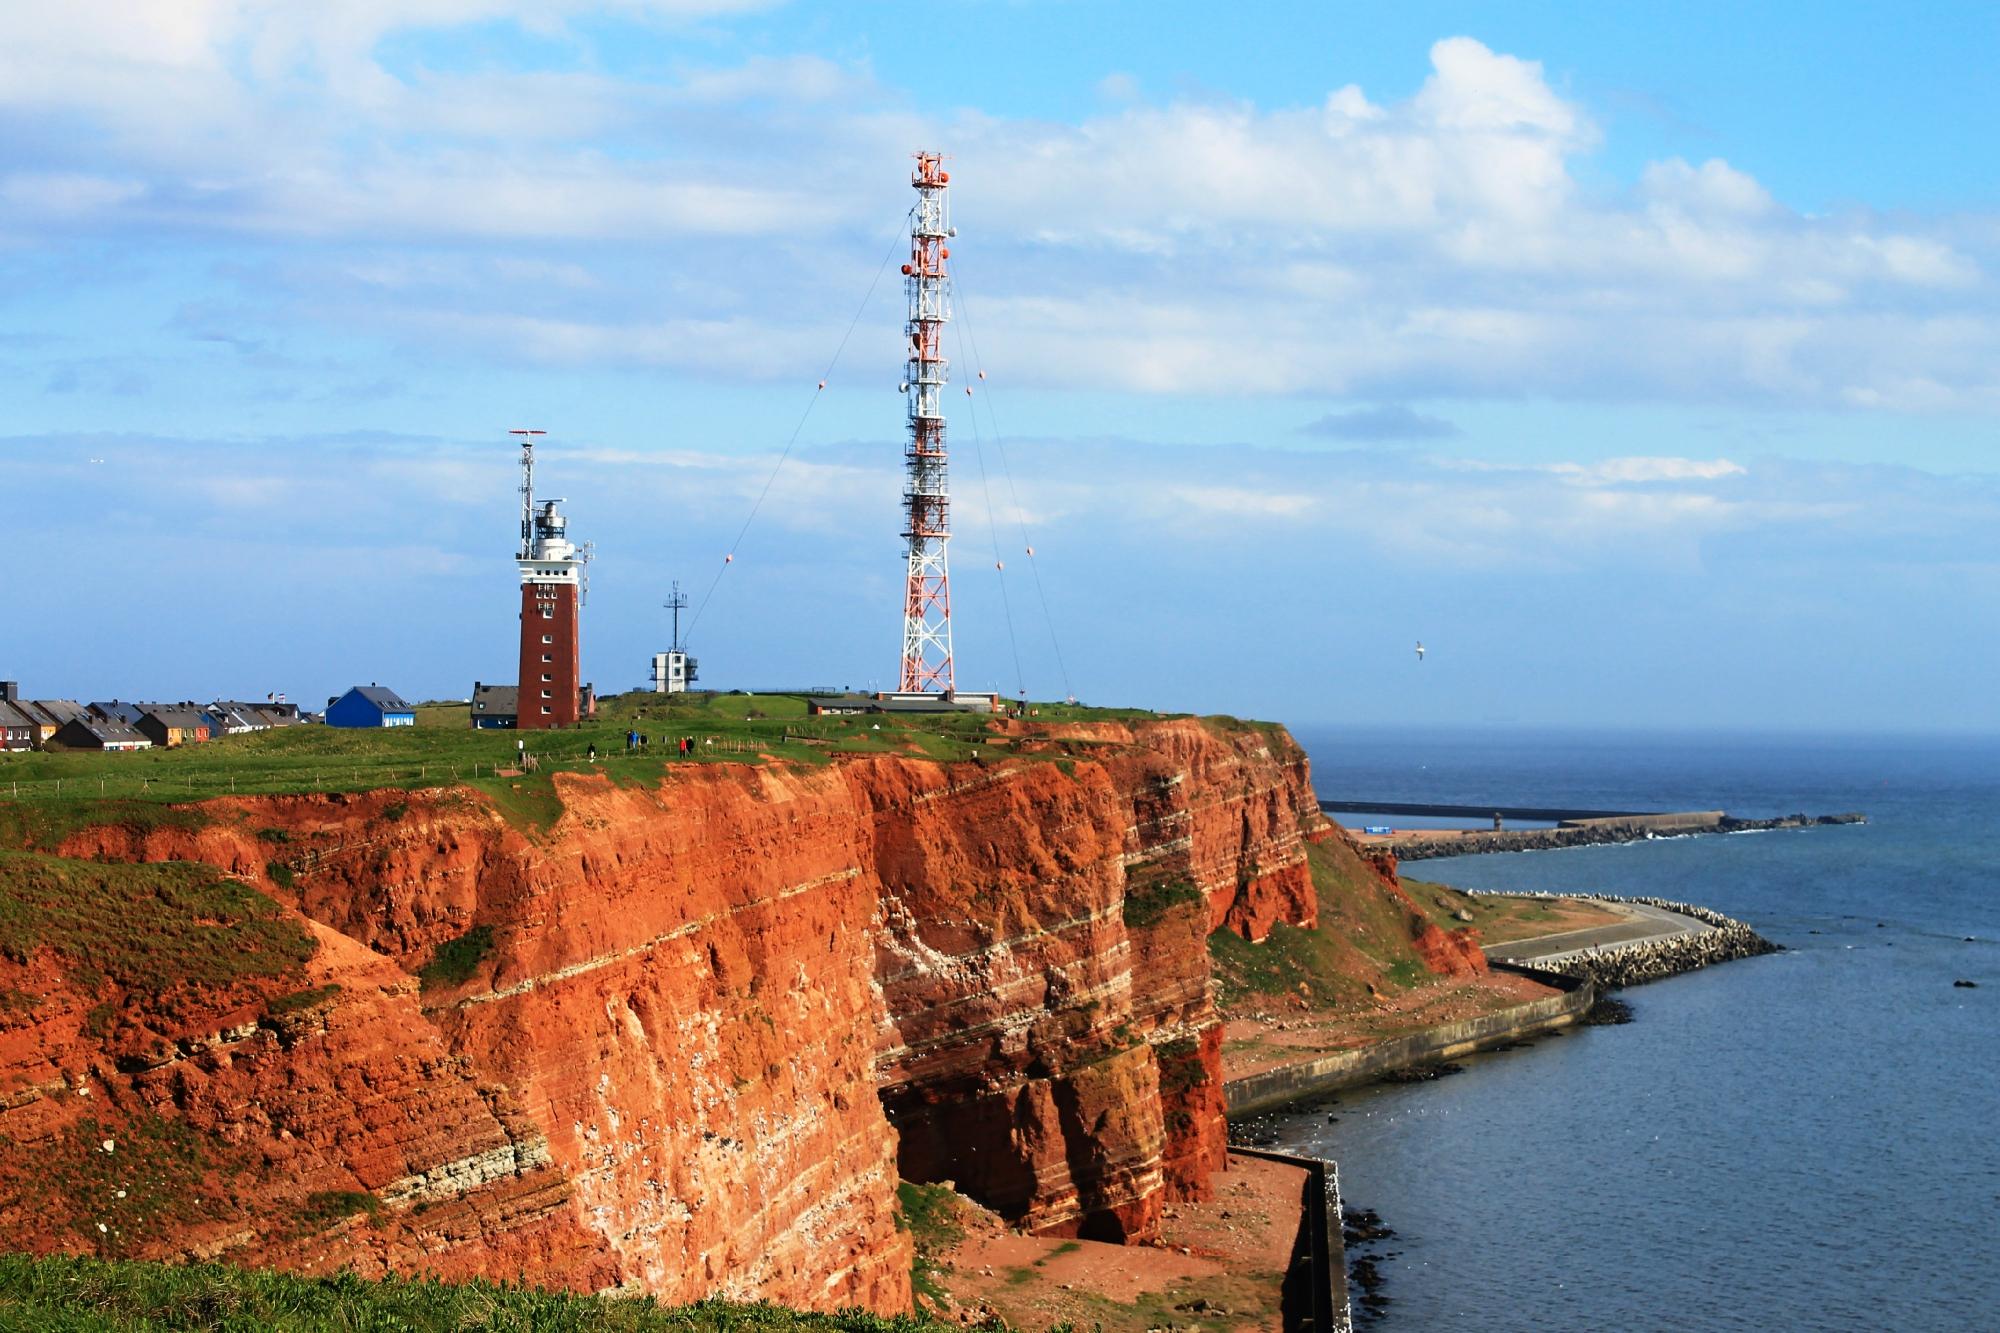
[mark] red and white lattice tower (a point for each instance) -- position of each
(927, 665)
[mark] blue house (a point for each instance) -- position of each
(369, 706)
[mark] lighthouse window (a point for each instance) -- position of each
(548, 613)
(547, 695)
(548, 657)
(548, 638)
(547, 676)
(547, 710)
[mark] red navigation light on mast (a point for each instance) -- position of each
(927, 666)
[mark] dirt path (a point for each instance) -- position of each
(1220, 1265)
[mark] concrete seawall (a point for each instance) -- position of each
(1322, 1251)
(1365, 1064)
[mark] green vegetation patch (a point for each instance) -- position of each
(454, 961)
(149, 928)
(77, 805)
(65, 1292)
(1363, 938)
(1181, 1069)
(301, 1001)
(45, 796)
(1497, 917)
(1274, 967)
(327, 1207)
(146, 1185)
(930, 1214)
(1145, 904)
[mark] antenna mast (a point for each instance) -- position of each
(676, 602)
(927, 662)
(527, 490)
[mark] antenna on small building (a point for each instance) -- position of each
(676, 602)
(674, 670)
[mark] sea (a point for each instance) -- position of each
(1809, 1140)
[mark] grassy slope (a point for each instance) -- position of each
(1497, 917)
(149, 928)
(65, 1293)
(930, 1214)
(1362, 939)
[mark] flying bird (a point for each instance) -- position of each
(1420, 650)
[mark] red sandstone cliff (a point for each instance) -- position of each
(712, 1024)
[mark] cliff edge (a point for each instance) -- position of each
(684, 1037)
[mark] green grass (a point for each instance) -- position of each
(117, 1202)
(300, 1001)
(443, 748)
(1145, 904)
(1275, 966)
(43, 817)
(47, 796)
(149, 928)
(455, 961)
(70, 1295)
(930, 1214)
(327, 1207)
(1363, 937)
(1497, 917)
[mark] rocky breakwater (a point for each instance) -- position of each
(1635, 964)
(1603, 832)
(680, 1038)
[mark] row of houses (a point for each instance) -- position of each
(115, 724)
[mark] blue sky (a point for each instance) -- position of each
(1643, 361)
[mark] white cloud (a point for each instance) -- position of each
(1435, 246)
(1242, 502)
(1623, 471)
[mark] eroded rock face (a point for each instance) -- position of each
(705, 1026)
(1031, 998)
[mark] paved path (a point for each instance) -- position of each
(1642, 923)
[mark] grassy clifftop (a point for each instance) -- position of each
(44, 795)
(72, 1294)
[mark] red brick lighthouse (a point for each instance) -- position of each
(552, 692)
